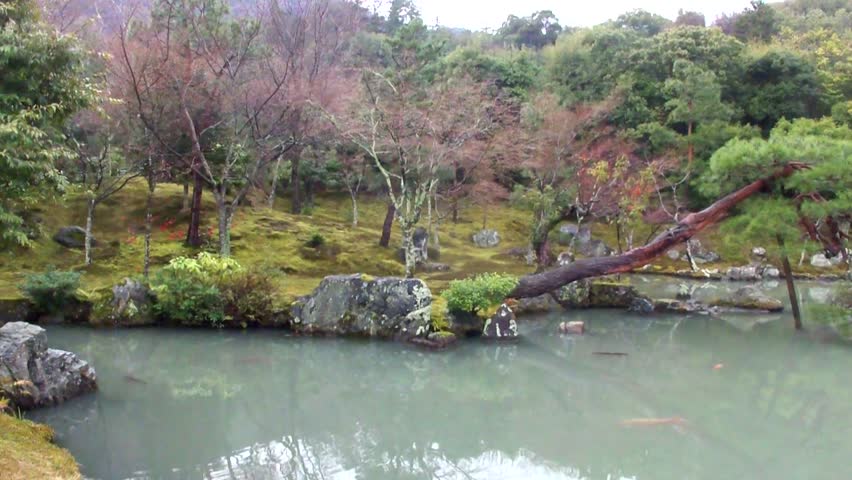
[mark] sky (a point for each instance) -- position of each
(480, 14)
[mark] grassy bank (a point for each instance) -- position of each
(27, 452)
(273, 239)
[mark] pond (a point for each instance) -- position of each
(739, 397)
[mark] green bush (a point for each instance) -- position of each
(316, 240)
(474, 295)
(249, 297)
(188, 290)
(52, 290)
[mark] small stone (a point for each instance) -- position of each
(572, 328)
(72, 237)
(758, 252)
(673, 254)
(565, 258)
(434, 267)
(771, 272)
(745, 273)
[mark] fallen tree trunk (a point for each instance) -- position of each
(551, 280)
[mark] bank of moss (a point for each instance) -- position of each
(274, 240)
(27, 452)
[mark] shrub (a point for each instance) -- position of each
(475, 295)
(188, 291)
(249, 297)
(52, 290)
(316, 240)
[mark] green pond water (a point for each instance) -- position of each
(757, 401)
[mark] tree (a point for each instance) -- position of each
(539, 29)
(689, 18)
(686, 228)
(643, 22)
(42, 83)
(694, 98)
(781, 84)
(757, 23)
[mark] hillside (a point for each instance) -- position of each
(275, 240)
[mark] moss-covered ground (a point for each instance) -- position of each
(27, 452)
(275, 240)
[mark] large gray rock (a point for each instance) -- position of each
(32, 375)
(502, 325)
(131, 304)
(72, 237)
(392, 308)
(486, 238)
(745, 273)
(750, 298)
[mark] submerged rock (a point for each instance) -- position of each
(486, 238)
(572, 328)
(32, 375)
(389, 307)
(502, 325)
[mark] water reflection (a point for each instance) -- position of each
(259, 405)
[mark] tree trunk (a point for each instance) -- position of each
(354, 209)
(545, 282)
(791, 285)
(193, 233)
(296, 186)
(387, 226)
(149, 216)
(270, 200)
(224, 214)
(185, 207)
(408, 247)
(90, 219)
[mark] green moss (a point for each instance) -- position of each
(272, 239)
(27, 452)
(439, 320)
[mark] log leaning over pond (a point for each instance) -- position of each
(551, 280)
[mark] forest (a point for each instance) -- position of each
(348, 169)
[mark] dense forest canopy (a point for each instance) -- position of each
(637, 116)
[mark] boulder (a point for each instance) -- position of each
(771, 272)
(72, 237)
(486, 238)
(750, 298)
(502, 325)
(588, 294)
(465, 324)
(14, 310)
(572, 328)
(745, 273)
(430, 267)
(32, 375)
(540, 304)
(595, 248)
(353, 305)
(131, 304)
(758, 252)
(701, 254)
(642, 305)
(821, 261)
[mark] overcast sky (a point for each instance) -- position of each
(479, 14)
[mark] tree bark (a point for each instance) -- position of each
(270, 200)
(791, 285)
(408, 248)
(185, 207)
(354, 209)
(90, 220)
(193, 233)
(296, 186)
(387, 226)
(545, 282)
(149, 204)
(224, 214)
